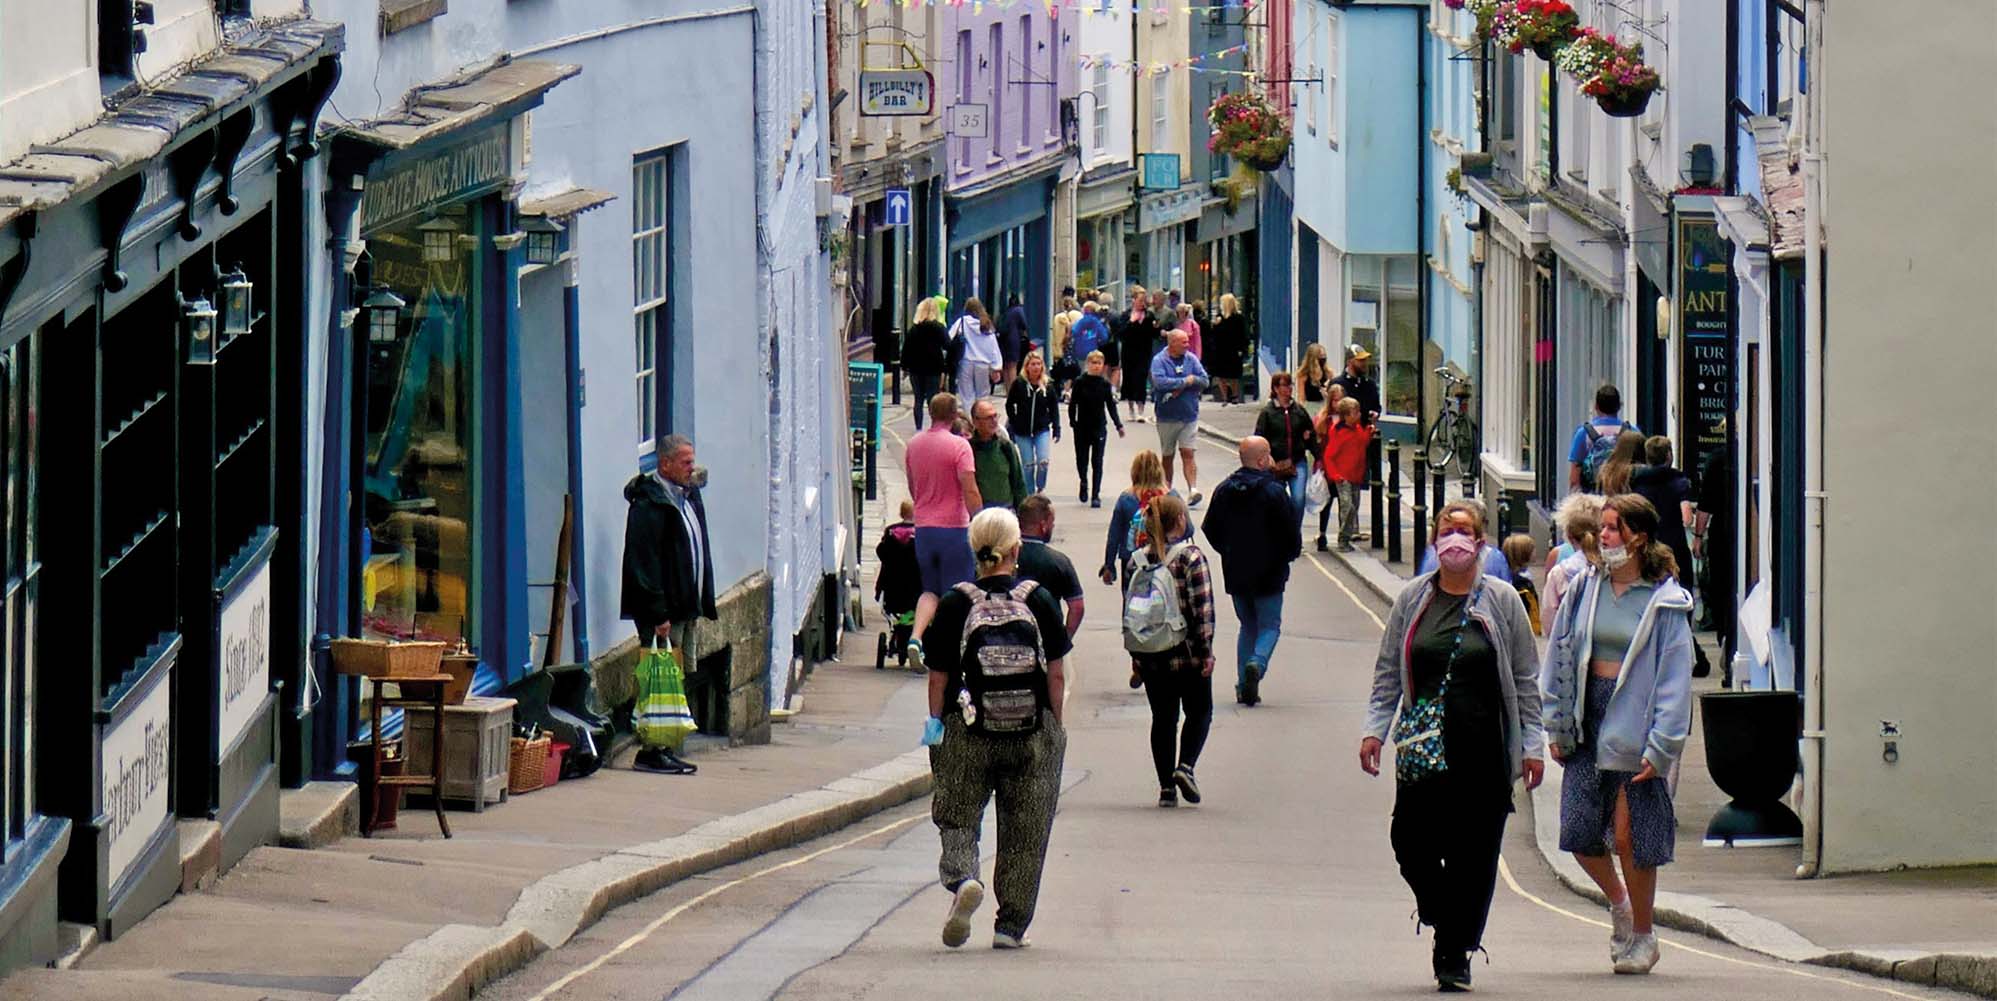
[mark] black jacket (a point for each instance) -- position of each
(925, 349)
(1363, 389)
(659, 575)
(1089, 399)
(1030, 410)
(1291, 433)
(1254, 527)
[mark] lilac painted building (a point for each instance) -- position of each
(1003, 170)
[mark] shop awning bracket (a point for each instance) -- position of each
(317, 84)
(115, 208)
(185, 166)
(230, 137)
(14, 270)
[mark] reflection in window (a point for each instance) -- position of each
(1384, 317)
(420, 406)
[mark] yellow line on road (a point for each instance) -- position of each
(1368, 612)
(660, 922)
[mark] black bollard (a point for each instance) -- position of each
(1421, 497)
(1379, 503)
(1437, 483)
(1393, 526)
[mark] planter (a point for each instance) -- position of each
(1751, 755)
(1266, 164)
(1624, 105)
(1545, 50)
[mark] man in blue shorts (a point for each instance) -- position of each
(943, 482)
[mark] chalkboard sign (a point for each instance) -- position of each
(863, 420)
(1704, 265)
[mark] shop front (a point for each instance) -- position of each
(152, 287)
(1001, 247)
(1102, 202)
(432, 542)
(1158, 251)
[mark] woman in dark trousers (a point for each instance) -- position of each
(1136, 342)
(1669, 490)
(1091, 409)
(1292, 437)
(1460, 639)
(1183, 677)
(925, 353)
(1226, 342)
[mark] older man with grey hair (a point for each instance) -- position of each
(668, 565)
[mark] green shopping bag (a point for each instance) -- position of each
(661, 717)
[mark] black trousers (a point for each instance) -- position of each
(926, 386)
(1447, 844)
(1089, 458)
(1168, 691)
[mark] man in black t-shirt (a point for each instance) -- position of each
(1045, 564)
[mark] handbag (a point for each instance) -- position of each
(661, 718)
(1286, 468)
(1418, 742)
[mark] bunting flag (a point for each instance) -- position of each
(1083, 6)
(1193, 64)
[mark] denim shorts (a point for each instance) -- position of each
(943, 557)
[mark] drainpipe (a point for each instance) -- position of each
(1813, 446)
(1422, 272)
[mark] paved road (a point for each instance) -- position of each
(1281, 885)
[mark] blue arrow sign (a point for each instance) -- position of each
(899, 206)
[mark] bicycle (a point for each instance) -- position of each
(1452, 439)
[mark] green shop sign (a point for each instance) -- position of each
(448, 176)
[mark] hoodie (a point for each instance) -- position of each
(1650, 714)
(1252, 523)
(661, 584)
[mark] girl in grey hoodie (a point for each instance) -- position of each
(1617, 680)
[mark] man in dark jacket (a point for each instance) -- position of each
(1253, 527)
(668, 566)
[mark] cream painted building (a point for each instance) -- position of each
(1161, 92)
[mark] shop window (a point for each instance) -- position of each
(1218, 164)
(421, 408)
(18, 459)
(650, 289)
(1384, 317)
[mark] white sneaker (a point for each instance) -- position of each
(1193, 499)
(1641, 955)
(1622, 928)
(957, 927)
(1004, 940)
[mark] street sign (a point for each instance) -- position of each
(970, 121)
(863, 422)
(899, 209)
(892, 93)
(1158, 171)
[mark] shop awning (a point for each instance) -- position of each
(565, 204)
(495, 90)
(141, 128)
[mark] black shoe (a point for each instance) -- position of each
(1136, 680)
(1095, 502)
(1323, 545)
(1240, 696)
(1183, 778)
(1251, 690)
(1085, 495)
(1452, 972)
(1168, 796)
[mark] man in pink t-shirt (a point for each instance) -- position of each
(943, 482)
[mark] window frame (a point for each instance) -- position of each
(1099, 122)
(1330, 73)
(651, 316)
(1161, 108)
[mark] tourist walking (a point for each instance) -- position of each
(925, 353)
(1455, 686)
(1588, 451)
(1253, 525)
(1064, 363)
(981, 363)
(1314, 372)
(943, 482)
(1033, 416)
(1177, 377)
(995, 733)
(1357, 383)
(1622, 464)
(1345, 443)
(1168, 629)
(1014, 339)
(1091, 410)
(1137, 333)
(1578, 519)
(1226, 344)
(1292, 437)
(1191, 327)
(1669, 490)
(1001, 473)
(668, 567)
(1126, 517)
(1618, 688)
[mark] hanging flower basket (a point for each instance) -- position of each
(1612, 73)
(1543, 26)
(1486, 12)
(1626, 105)
(1250, 129)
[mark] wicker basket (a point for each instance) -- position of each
(387, 659)
(526, 768)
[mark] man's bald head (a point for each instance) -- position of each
(984, 420)
(1254, 452)
(1177, 342)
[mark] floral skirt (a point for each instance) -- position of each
(1588, 798)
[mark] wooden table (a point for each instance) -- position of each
(424, 692)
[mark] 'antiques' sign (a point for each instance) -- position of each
(1707, 381)
(245, 655)
(892, 93)
(445, 177)
(132, 781)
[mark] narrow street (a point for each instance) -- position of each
(1280, 885)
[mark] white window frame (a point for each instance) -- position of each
(1330, 71)
(651, 218)
(1161, 107)
(1099, 122)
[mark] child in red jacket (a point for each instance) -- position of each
(1345, 466)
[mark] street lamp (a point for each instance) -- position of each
(236, 303)
(544, 239)
(197, 321)
(384, 314)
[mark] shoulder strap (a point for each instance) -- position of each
(970, 590)
(1022, 589)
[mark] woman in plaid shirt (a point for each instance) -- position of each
(1181, 677)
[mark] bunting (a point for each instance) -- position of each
(1193, 63)
(1082, 6)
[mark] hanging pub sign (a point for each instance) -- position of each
(1707, 356)
(132, 778)
(245, 651)
(894, 93)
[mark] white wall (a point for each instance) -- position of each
(48, 73)
(1107, 35)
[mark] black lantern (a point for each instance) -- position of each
(236, 303)
(197, 321)
(440, 240)
(383, 310)
(544, 239)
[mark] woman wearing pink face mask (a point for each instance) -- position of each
(1458, 672)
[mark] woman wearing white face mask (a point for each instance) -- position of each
(1617, 680)
(1455, 681)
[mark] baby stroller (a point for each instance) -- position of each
(897, 587)
(894, 639)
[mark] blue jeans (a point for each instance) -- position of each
(1035, 452)
(1297, 484)
(1261, 625)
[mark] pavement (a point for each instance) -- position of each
(1934, 926)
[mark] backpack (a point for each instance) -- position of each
(1153, 622)
(1600, 447)
(1004, 669)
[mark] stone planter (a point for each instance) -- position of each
(1751, 755)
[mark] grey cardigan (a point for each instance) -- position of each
(1503, 617)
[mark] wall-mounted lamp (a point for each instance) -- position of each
(544, 239)
(1700, 166)
(197, 323)
(236, 303)
(383, 309)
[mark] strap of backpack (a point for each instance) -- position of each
(1022, 589)
(969, 590)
